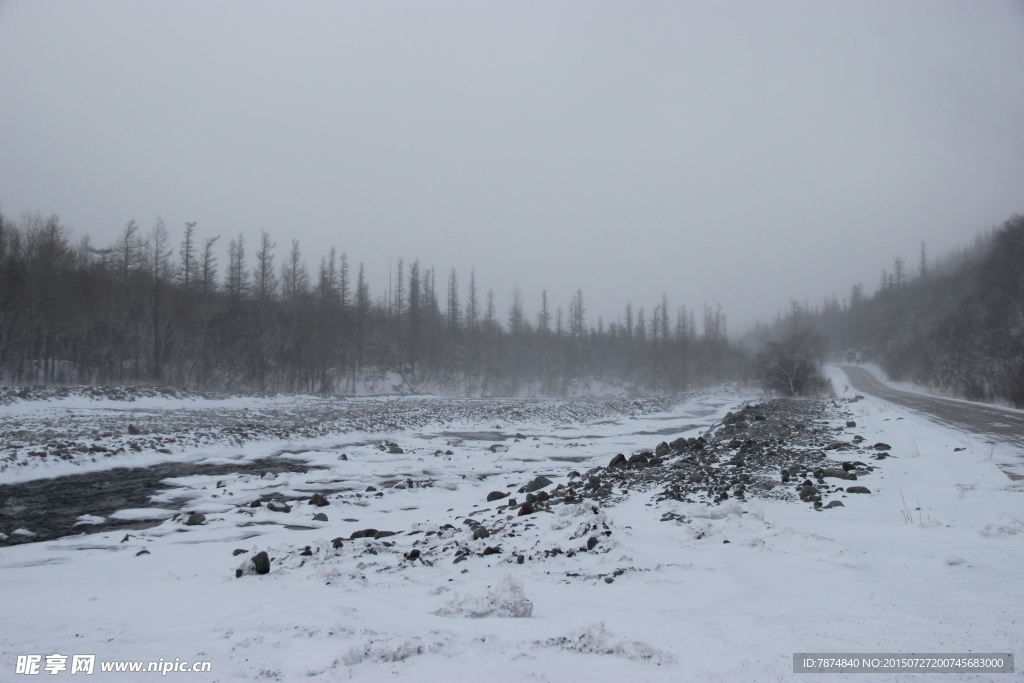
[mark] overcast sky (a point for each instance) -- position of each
(741, 153)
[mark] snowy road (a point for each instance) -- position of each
(977, 418)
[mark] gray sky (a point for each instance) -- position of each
(736, 152)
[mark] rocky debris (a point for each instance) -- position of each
(133, 430)
(858, 489)
(496, 495)
(618, 461)
(525, 509)
(239, 551)
(318, 500)
(277, 506)
(835, 472)
(390, 447)
(338, 542)
(195, 519)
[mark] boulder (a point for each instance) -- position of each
(858, 489)
(882, 446)
(618, 461)
(319, 517)
(318, 500)
(195, 519)
(133, 430)
(261, 562)
(526, 509)
(277, 506)
(496, 495)
(538, 483)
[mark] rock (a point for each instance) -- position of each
(882, 446)
(834, 504)
(618, 461)
(395, 449)
(142, 552)
(858, 489)
(538, 483)
(492, 550)
(679, 444)
(413, 555)
(261, 562)
(662, 450)
(850, 424)
(526, 509)
(133, 430)
(496, 495)
(592, 542)
(238, 551)
(370, 489)
(276, 506)
(319, 517)
(835, 472)
(785, 476)
(520, 559)
(384, 534)
(318, 500)
(306, 552)
(498, 448)
(337, 542)
(256, 503)
(480, 531)
(808, 492)
(848, 466)
(195, 519)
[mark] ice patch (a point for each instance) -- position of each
(597, 640)
(506, 599)
(133, 514)
(89, 519)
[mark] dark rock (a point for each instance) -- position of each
(261, 562)
(318, 500)
(848, 466)
(195, 519)
(492, 550)
(319, 517)
(834, 504)
(363, 533)
(851, 424)
(370, 489)
(276, 506)
(526, 509)
(239, 551)
(496, 495)
(882, 446)
(834, 472)
(142, 552)
(306, 552)
(413, 555)
(480, 531)
(520, 559)
(618, 461)
(785, 476)
(133, 430)
(337, 542)
(858, 489)
(395, 449)
(679, 445)
(662, 450)
(808, 492)
(538, 483)
(384, 534)
(591, 542)
(256, 503)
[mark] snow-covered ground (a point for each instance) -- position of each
(929, 561)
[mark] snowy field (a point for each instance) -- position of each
(625, 584)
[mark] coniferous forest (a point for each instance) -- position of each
(168, 308)
(956, 323)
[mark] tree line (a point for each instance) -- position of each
(956, 323)
(153, 309)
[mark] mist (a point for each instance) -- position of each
(741, 155)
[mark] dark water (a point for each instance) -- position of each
(50, 507)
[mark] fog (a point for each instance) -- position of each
(734, 153)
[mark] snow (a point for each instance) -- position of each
(929, 561)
